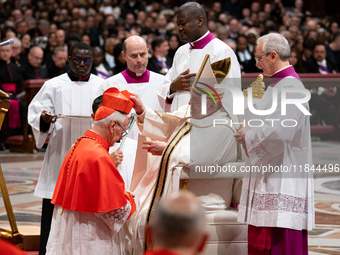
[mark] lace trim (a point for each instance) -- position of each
(278, 202)
(115, 219)
(261, 151)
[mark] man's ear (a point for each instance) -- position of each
(112, 124)
(123, 55)
(92, 116)
(274, 56)
(200, 21)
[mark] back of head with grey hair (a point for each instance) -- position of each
(116, 115)
(178, 228)
(59, 48)
(16, 40)
(275, 42)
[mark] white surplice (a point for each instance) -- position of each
(192, 58)
(60, 95)
(279, 199)
(80, 233)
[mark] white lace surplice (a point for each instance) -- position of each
(279, 199)
(87, 233)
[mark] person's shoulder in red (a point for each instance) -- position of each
(7, 248)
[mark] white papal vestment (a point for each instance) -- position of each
(181, 135)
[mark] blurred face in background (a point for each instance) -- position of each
(35, 57)
(60, 37)
(86, 39)
(98, 56)
(52, 40)
(6, 53)
(16, 49)
(26, 41)
(60, 58)
(241, 44)
(173, 42)
(293, 58)
(319, 53)
(163, 49)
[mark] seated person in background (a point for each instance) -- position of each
(58, 64)
(33, 69)
(244, 56)
(99, 67)
(319, 62)
(159, 62)
(296, 61)
(178, 226)
(16, 50)
(11, 82)
(91, 203)
(323, 101)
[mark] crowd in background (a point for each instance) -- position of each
(44, 30)
(52, 23)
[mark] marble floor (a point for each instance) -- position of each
(21, 172)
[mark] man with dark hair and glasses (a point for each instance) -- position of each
(70, 94)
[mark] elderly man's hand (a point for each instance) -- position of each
(117, 157)
(138, 104)
(154, 147)
(182, 82)
(47, 117)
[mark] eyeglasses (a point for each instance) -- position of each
(124, 133)
(37, 58)
(78, 60)
(257, 59)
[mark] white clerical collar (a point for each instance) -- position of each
(192, 43)
(322, 63)
(161, 58)
(281, 69)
